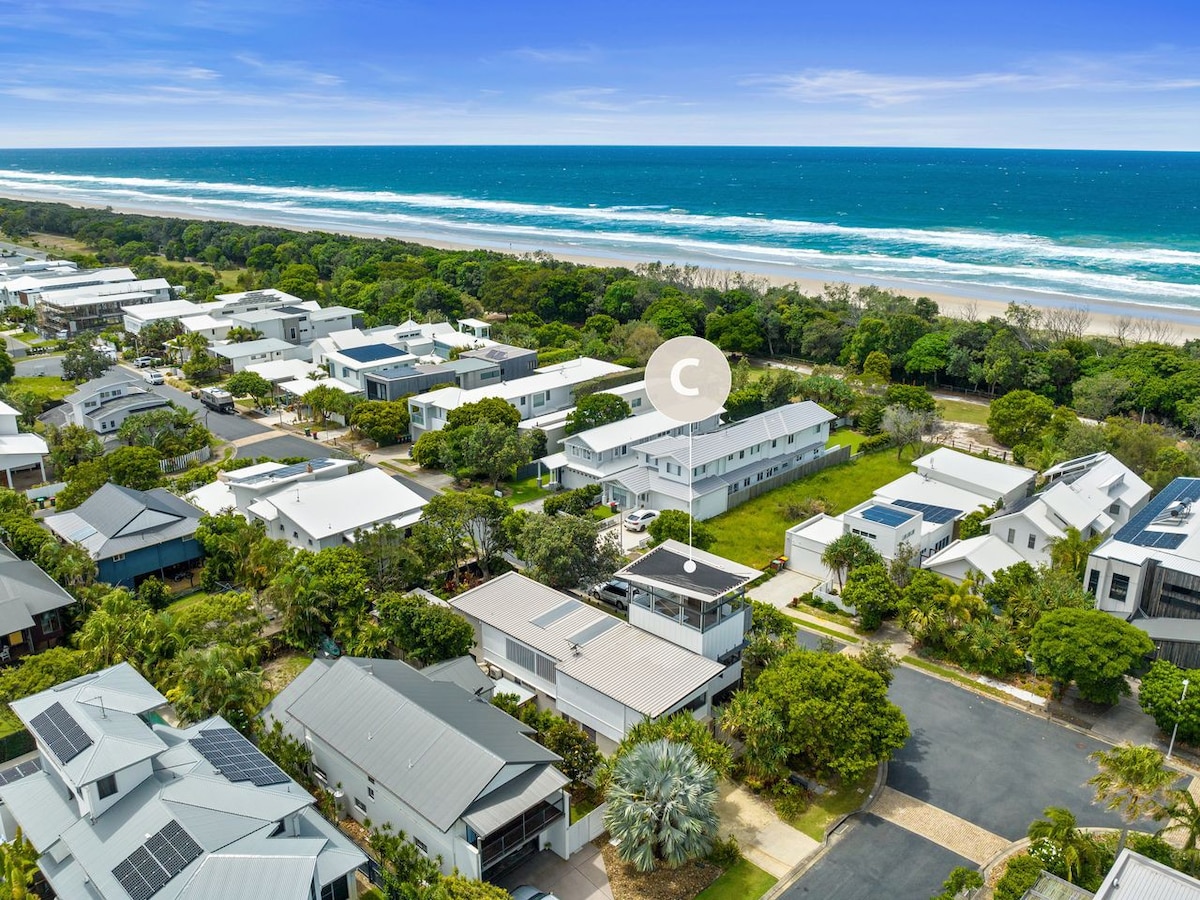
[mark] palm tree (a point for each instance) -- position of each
(661, 805)
(761, 731)
(847, 552)
(1071, 551)
(1130, 780)
(217, 681)
(1058, 833)
(961, 602)
(1182, 813)
(18, 866)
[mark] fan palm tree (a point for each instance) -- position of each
(1058, 833)
(844, 553)
(1129, 781)
(661, 805)
(1182, 813)
(961, 602)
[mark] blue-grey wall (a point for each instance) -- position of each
(148, 561)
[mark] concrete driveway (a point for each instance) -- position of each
(582, 877)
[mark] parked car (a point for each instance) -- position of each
(529, 892)
(154, 377)
(639, 519)
(144, 362)
(616, 593)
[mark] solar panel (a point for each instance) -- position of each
(61, 733)
(935, 515)
(166, 853)
(885, 516)
(23, 770)
(1135, 530)
(236, 758)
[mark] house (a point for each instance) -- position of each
(315, 514)
(122, 807)
(725, 465)
(982, 555)
(27, 289)
(353, 364)
(592, 456)
(235, 357)
(591, 667)
(135, 318)
(477, 328)
(1093, 494)
(31, 604)
(398, 382)
(104, 407)
(131, 534)
(459, 777)
(550, 389)
(1134, 875)
(1148, 572)
(239, 489)
(19, 450)
(513, 362)
(921, 510)
(65, 313)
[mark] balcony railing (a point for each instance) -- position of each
(690, 613)
(512, 836)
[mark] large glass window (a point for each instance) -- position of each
(1119, 589)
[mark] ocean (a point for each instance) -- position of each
(1109, 227)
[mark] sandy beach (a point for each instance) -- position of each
(1133, 321)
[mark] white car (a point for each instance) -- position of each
(529, 892)
(639, 519)
(154, 377)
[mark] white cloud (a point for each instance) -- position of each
(557, 56)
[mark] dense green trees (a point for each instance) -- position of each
(1091, 648)
(595, 410)
(385, 422)
(1159, 696)
(83, 361)
(250, 384)
(677, 525)
(567, 552)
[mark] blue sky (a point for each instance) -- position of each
(1056, 73)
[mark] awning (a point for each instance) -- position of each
(508, 686)
(554, 461)
(512, 798)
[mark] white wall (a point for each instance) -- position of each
(1022, 530)
(1107, 568)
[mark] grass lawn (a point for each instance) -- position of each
(524, 491)
(741, 881)
(846, 437)
(282, 671)
(962, 411)
(183, 603)
(59, 242)
(825, 808)
(752, 533)
(47, 387)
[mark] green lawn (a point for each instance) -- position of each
(280, 672)
(846, 437)
(48, 387)
(741, 881)
(524, 491)
(825, 808)
(178, 606)
(962, 411)
(752, 533)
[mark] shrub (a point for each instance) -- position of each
(876, 442)
(575, 502)
(1020, 875)
(725, 852)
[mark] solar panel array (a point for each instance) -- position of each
(1135, 530)
(16, 773)
(885, 516)
(60, 733)
(164, 855)
(935, 515)
(236, 758)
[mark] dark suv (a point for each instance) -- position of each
(616, 593)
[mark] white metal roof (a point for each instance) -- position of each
(989, 474)
(985, 553)
(916, 488)
(1135, 877)
(574, 372)
(277, 370)
(251, 348)
(166, 309)
(344, 505)
(627, 431)
(771, 425)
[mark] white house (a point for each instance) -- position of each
(723, 462)
(1106, 476)
(64, 313)
(589, 457)
(591, 667)
(982, 555)
(236, 357)
(120, 808)
(27, 289)
(353, 364)
(239, 489)
(550, 389)
(19, 450)
(462, 779)
(136, 318)
(104, 407)
(316, 514)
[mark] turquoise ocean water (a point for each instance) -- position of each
(1099, 226)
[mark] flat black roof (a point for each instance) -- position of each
(664, 565)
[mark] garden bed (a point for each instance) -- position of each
(682, 883)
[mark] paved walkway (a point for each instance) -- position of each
(582, 877)
(944, 829)
(767, 842)
(780, 590)
(256, 438)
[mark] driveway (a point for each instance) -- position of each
(582, 877)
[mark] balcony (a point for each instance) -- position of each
(710, 629)
(517, 833)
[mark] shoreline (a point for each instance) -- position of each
(1105, 318)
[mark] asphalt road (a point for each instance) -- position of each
(978, 759)
(872, 859)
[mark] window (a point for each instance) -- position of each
(791, 439)
(320, 774)
(117, 557)
(370, 793)
(637, 401)
(1115, 509)
(1032, 541)
(420, 845)
(107, 786)
(1119, 589)
(50, 621)
(522, 656)
(546, 668)
(359, 805)
(1093, 581)
(1012, 535)
(336, 890)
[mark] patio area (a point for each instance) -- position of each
(582, 877)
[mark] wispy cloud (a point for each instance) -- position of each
(561, 56)
(288, 70)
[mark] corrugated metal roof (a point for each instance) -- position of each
(1135, 877)
(512, 798)
(250, 878)
(37, 801)
(462, 671)
(122, 519)
(771, 425)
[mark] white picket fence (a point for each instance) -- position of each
(586, 829)
(179, 463)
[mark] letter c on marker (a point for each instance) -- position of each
(677, 383)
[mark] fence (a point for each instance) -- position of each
(179, 463)
(832, 457)
(586, 829)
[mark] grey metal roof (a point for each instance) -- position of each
(641, 670)
(767, 426)
(464, 672)
(501, 806)
(118, 519)
(1161, 628)
(498, 352)
(714, 576)
(38, 802)
(26, 591)
(429, 743)
(252, 348)
(251, 877)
